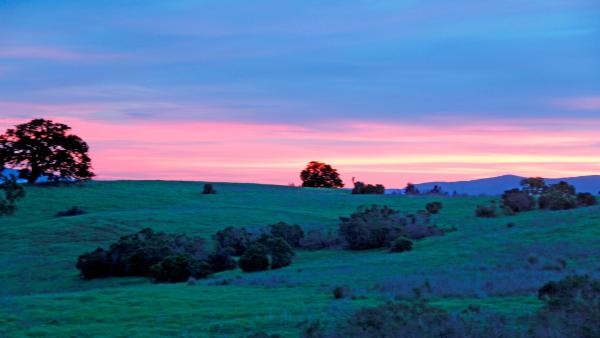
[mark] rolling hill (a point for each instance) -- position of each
(482, 263)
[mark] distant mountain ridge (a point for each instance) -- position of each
(497, 185)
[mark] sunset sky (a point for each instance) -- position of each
(387, 91)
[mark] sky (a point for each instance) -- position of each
(387, 91)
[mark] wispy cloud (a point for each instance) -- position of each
(580, 103)
(56, 54)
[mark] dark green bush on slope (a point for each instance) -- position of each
(376, 227)
(401, 244)
(572, 308)
(267, 252)
(254, 259)
(486, 211)
(134, 255)
(238, 239)
(585, 199)
(179, 268)
(516, 200)
(10, 193)
(73, 211)
(291, 233)
(361, 188)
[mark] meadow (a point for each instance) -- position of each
(495, 264)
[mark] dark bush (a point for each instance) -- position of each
(73, 211)
(11, 192)
(375, 227)
(372, 227)
(572, 308)
(178, 268)
(433, 207)
(557, 200)
(236, 238)
(291, 233)
(585, 199)
(95, 264)
(254, 259)
(401, 244)
(208, 189)
(317, 239)
(487, 211)
(134, 255)
(340, 292)
(361, 188)
(221, 260)
(516, 200)
(280, 251)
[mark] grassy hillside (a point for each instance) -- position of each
(483, 263)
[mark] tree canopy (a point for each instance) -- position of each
(44, 148)
(320, 175)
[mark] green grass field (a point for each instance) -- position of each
(483, 262)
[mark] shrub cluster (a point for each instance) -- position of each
(73, 211)
(415, 319)
(165, 257)
(560, 196)
(271, 248)
(376, 227)
(572, 308)
(361, 188)
(268, 252)
(11, 192)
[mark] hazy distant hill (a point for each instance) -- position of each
(497, 185)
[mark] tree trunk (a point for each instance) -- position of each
(34, 175)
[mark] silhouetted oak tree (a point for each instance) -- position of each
(44, 148)
(320, 175)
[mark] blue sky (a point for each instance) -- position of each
(295, 61)
(304, 64)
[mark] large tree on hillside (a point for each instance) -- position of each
(44, 148)
(320, 175)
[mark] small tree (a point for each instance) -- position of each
(11, 193)
(411, 189)
(208, 189)
(320, 175)
(44, 148)
(533, 185)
